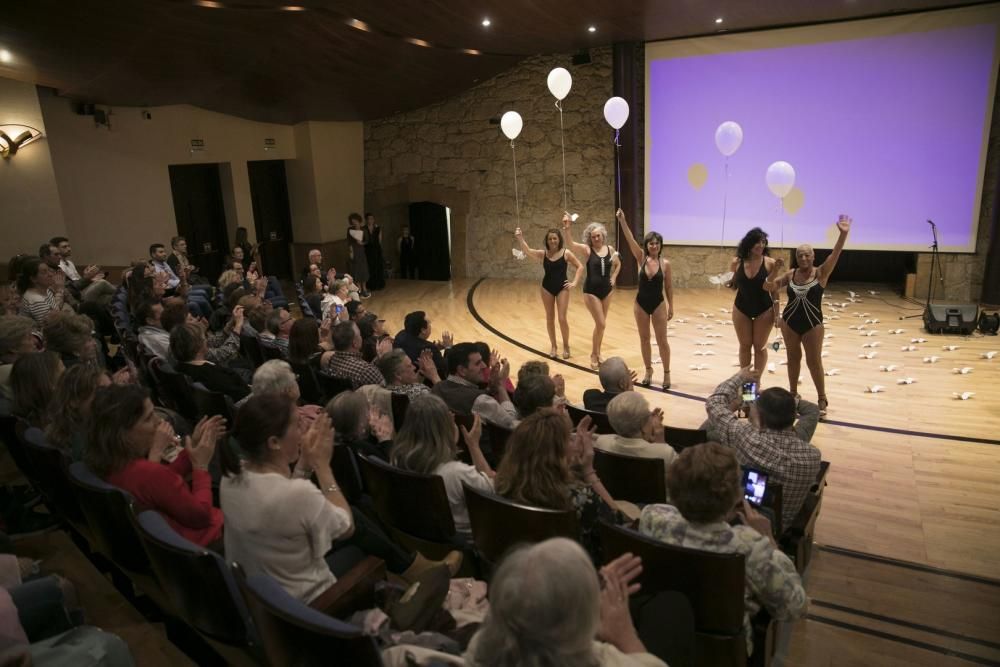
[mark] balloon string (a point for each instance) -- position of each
(562, 142)
(725, 198)
(781, 212)
(517, 205)
(618, 169)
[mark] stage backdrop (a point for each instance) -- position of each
(886, 120)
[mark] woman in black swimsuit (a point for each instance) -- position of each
(603, 265)
(802, 319)
(754, 308)
(651, 307)
(555, 286)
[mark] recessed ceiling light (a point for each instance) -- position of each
(359, 25)
(293, 8)
(592, 28)
(417, 41)
(472, 52)
(209, 4)
(5, 56)
(487, 23)
(718, 20)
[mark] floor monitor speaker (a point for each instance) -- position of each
(951, 318)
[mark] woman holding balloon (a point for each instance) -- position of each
(654, 304)
(555, 285)
(603, 265)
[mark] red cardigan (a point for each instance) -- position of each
(160, 487)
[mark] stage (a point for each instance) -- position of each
(914, 484)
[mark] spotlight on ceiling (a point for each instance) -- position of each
(6, 56)
(292, 8)
(209, 4)
(487, 23)
(416, 41)
(472, 52)
(14, 137)
(592, 28)
(718, 20)
(359, 25)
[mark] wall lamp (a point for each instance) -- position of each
(13, 137)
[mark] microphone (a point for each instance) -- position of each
(931, 223)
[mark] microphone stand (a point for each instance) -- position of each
(935, 260)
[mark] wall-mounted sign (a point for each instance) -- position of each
(197, 145)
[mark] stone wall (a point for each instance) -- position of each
(450, 151)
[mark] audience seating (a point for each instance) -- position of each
(201, 589)
(309, 387)
(633, 478)
(174, 388)
(497, 437)
(332, 386)
(599, 419)
(344, 465)
(292, 633)
(713, 583)
(681, 438)
(11, 433)
(400, 404)
(796, 540)
(414, 506)
(51, 466)
(210, 403)
(498, 524)
(272, 352)
(252, 349)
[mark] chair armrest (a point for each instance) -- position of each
(824, 468)
(805, 520)
(355, 590)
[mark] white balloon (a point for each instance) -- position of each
(616, 112)
(511, 124)
(728, 137)
(780, 178)
(560, 82)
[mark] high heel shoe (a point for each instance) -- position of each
(595, 362)
(666, 380)
(553, 353)
(822, 403)
(647, 379)
(566, 353)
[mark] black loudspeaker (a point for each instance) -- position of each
(951, 318)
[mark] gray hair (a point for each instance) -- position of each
(613, 370)
(13, 329)
(390, 363)
(628, 412)
(348, 411)
(594, 227)
(544, 609)
(275, 377)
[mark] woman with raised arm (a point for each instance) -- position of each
(802, 319)
(754, 311)
(603, 265)
(555, 285)
(655, 301)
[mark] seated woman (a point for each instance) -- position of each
(704, 487)
(40, 293)
(279, 523)
(33, 380)
(71, 336)
(189, 348)
(426, 444)
(69, 410)
(547, 465)
(309, 344)
(126, 446)
(547, 607)
(16, 340)
(312, 291)
(534, 393)
(361, 426)
(638, 430)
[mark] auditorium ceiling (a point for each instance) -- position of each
(346, 60)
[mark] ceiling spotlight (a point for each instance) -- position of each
(5, 56)
(292, 8)
(487, 23)
(718, 20)
(359, 25)
(592, 28)
(209, 4)
(472, 52)
(417, 41)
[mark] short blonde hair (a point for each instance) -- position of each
(628, 412)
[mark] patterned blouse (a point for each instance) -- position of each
(771, 579)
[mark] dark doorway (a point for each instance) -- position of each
(201, 215)
(430, 227)
(871, 266)
(272, 216)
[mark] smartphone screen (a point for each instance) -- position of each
(754, 486)
(749, 392)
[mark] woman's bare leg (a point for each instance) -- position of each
(812, 341)
(597, 312)
(761, 331)
(549, 302)
(642, 326)
(659, 319)
(793, 346)
(562, 306)
(744, 334)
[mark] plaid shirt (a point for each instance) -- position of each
(781, 454)
(771, 579)
(351, 366)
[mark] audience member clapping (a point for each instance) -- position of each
(347, 362)
(638, 430)
(189, 348)
(615, 377)
(70, 408)
(401, 377)
(71, 336)
(461, 390)
(360, 425)
(39, 293)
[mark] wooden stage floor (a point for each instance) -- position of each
(908, 565)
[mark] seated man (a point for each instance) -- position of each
(223, 346)
(198, 296)
(189, 348)
(279, 326)
(638, 430)
(461, 391)
(178, 261)
(152, 335)
(705, 493)
(413, 340)
(401, 375)
(346, 361)
(615, 378)
(90, 285)
(767, 441)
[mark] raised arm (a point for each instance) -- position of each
(534, 253)
(577, 269)
(826, 268)
(734, 264)
(629, 237)
(568, 241)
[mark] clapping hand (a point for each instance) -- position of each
(583, 444)
(238, 319)
(380, 424)
(201, 445)
(447, 340)
(383, 347)
(426, 366)
(471, 436)
(617, 585)
(317, 443)
(162, 440)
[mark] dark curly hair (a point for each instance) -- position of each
(752, 238)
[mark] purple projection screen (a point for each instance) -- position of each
(889, 129)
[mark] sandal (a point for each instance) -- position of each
(553, 353)
(666, 380)
(595, 362)
(648, 378)
(822, 403)
(566, 353)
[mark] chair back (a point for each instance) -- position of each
(344, 465)
(11, 432)
(332, 386)
(272, 352)
(309, 387)
(107, 510)
(682, 438)
(52, 467)
(633, 478)
(175, 388)
(197, 580)
(599, 419)
(209, 403)
(400, 404)
(713, 583)
(292, 633)
(497, 437)
(498, 524)
(252, 349)
(411, 502)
